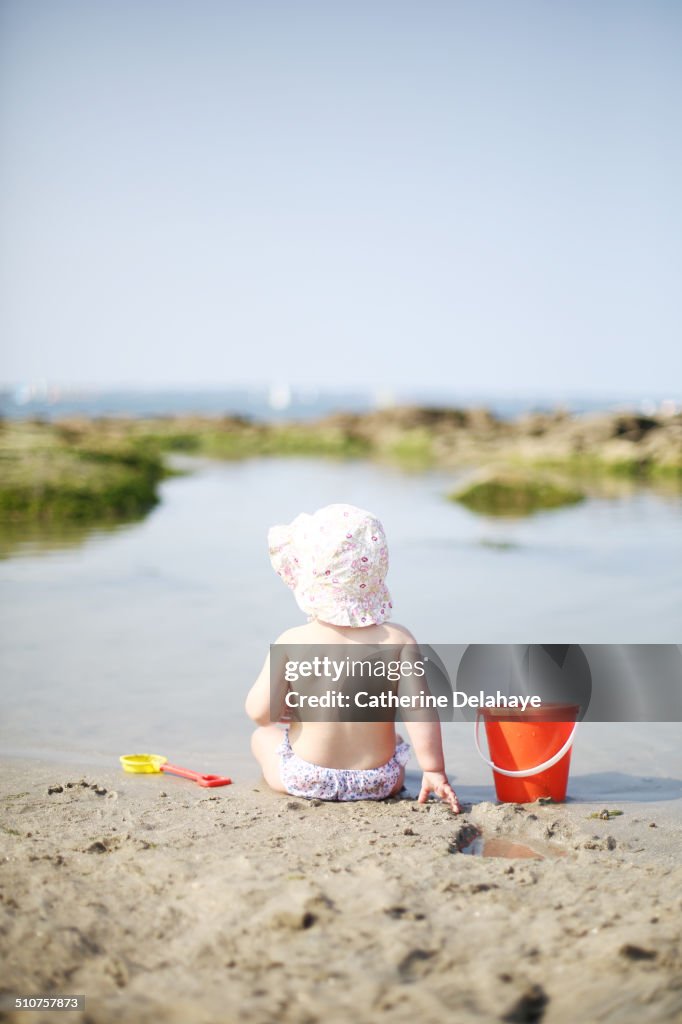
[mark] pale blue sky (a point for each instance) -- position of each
(483, 196)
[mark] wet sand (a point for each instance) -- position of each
(163, 901)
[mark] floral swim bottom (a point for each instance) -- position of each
(302, 778)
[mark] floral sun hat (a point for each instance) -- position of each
(335, 561)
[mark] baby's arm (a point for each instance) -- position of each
(424, 732)
(267, 694)
(428, 748)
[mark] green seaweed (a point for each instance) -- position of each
(592, 465)
(515, 495)
(412, 448)
(47, 476)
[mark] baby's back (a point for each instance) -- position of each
(335, 743)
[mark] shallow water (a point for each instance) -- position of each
(510, 849)
(146, 637)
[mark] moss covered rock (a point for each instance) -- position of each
(515, 494)
(47, 477)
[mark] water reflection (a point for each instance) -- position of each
(22, 539)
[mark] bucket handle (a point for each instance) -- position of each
(524, 773)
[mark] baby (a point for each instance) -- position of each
(336, 561)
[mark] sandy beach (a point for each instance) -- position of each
(161, 900)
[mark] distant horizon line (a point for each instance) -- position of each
(43, 386)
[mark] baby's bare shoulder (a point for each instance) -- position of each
(302, 634)
(399, 634)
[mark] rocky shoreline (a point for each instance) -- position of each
(82, 469)
(609, 442)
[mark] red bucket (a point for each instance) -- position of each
(530, 751)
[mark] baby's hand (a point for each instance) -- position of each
(437, 782)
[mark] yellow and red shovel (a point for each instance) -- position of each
(145, 764)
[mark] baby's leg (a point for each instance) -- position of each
(401, 778)
(264, 743)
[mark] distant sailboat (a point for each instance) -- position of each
(279, 396)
